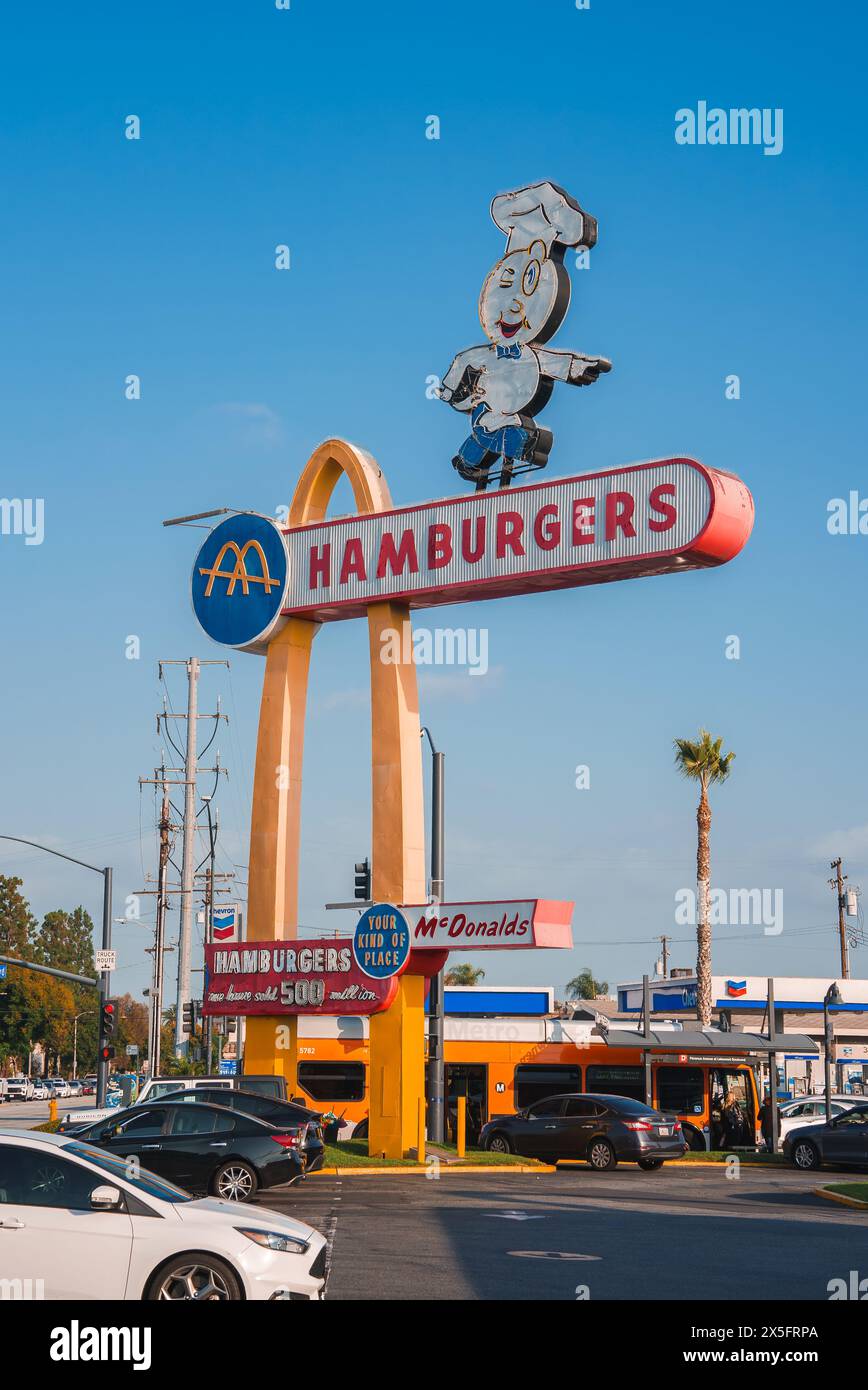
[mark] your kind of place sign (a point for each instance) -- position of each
(649, 518)
(267, 977)
(480, 926)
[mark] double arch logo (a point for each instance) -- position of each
(239, 581)
(239, 572)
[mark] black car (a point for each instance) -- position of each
(203, 1148)
(842, 1143)
(599, 1128)
(284, 1114)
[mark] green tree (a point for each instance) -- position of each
(464, 975)
(701, 760)
(584, 986)
(18, 993)
(65, 941)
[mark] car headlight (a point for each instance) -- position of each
(274, 1240)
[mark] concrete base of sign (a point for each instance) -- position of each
(271, 1049)
(397, 1071)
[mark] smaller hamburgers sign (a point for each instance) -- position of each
(278, 977)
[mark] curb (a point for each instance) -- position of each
(840, 1198)
(423, 1171)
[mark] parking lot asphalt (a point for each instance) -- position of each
(26, 1114)
(679, 1233)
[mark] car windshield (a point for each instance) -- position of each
(143, 1181)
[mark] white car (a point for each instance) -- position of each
(78, 1223)
(59, 1087)
(40, 1089)
(20, 1088)
(811, 1110)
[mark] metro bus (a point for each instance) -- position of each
(503, 1064)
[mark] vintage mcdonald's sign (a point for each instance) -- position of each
(648, 518)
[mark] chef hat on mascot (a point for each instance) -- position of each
(542, 212)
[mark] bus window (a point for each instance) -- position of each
(533, 1082)
(681, 1090)
(332, 1080)
(617, 1081)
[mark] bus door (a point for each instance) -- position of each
(468, 1079)
(739, 1131)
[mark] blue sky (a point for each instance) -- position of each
(307, 127)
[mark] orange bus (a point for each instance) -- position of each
(503, 1064)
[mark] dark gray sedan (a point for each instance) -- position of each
(599, 1128)
(843, 1143)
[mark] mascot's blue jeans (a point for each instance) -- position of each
(509, 441)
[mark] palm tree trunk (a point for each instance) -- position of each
(703, 926)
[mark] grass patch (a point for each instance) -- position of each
(721, 1156)
(353, 1153)
(50, 1127)
(859, 1190)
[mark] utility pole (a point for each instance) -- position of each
(664, 941)
(838, 882)
(186, 932)
(185, 937)
(165, 826)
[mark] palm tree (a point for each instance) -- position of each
(463, 975)
(702, 761)
(584, 986)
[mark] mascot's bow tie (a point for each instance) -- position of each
(514, 350)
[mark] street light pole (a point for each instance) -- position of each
(436, 1029)
(104, 975)
(831, 998)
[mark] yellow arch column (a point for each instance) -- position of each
(398, 838)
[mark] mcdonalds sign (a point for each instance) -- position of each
(516, 924)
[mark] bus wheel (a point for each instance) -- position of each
(695, 1141)
(601, 1155)
(648, 1165)
(500, 1144)
(806, 1155)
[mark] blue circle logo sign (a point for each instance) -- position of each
(381, 941)
(239, 580)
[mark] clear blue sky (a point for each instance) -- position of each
(307, 127)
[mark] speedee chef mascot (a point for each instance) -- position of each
(503, 383)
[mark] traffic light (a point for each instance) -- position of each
(108, 1016)
(188, 1017)
(363, 881)
(106, 1054)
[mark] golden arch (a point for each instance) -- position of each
(397, 830)
(239, 569)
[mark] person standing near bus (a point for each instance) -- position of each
(732, 1121)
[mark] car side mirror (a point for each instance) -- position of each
(105, 1198)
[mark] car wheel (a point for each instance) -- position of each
(601, 1155)
(198, 1276)
(500, 1143)
(648, 1165)
(235, 1181)
(806, 1155)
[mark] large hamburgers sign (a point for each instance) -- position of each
(649, 518)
